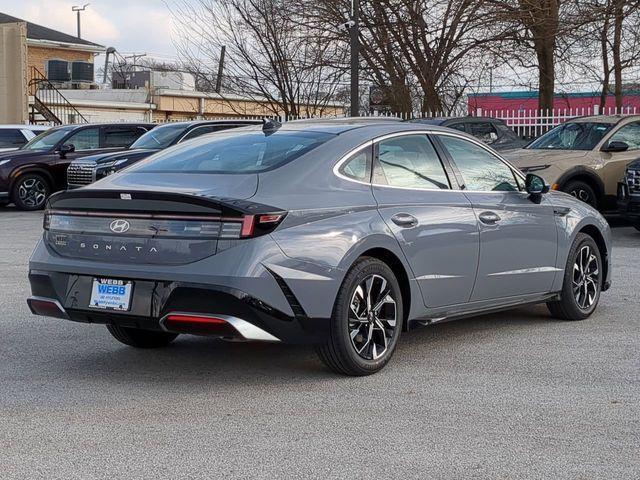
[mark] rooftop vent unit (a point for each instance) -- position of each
(82, 72)
(58, 71)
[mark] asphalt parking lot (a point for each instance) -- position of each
(509, 395)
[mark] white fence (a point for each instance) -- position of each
(533, 123)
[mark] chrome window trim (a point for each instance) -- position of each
(370, 143)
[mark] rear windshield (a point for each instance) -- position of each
(233, 152)
(572, 136)
(160, 137)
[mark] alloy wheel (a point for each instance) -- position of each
(586, 278)
(372, 317)
(32, 192)
(581, 194)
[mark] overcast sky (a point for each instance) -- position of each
(128, 25)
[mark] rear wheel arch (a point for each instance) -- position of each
(397, 267)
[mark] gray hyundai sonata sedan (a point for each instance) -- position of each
(337, 234)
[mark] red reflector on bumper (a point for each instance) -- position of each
(46, 307)
(195, 319)
(198, 325)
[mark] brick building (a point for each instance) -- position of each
(29, 52)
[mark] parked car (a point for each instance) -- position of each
(13, 137)
(86, 170)
(30, 174)
(585, 157)
(629, 194)
(340, 235)
(491, 131)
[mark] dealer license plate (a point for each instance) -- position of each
(111, 294)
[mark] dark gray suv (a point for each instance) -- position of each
(337, 234)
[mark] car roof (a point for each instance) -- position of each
(221, 121)
(376, 128)
(445, 120)
(604, 118)
(26, 127)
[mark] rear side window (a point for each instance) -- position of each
(225, 152)
(409, 162)
(484, 131)
(358, 167)
(481, 171)
(121, 136)
(11, 138)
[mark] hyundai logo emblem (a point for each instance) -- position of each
(120, 226)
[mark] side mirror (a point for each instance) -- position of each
(536, 185)
(65, 149)
(612, 147)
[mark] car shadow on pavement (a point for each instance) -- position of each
(194, 360)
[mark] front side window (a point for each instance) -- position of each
(226, 152)
(48, 139)
(86, 139)
(573, 136)
(11, 138)
(629, 134)
(410, 162)
(121, 136)
(481, 171)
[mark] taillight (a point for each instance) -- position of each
(256, 225)
(161, 226)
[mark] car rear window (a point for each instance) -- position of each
(233, 152)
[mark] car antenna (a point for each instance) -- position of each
(269, 125)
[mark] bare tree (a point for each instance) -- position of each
(416, 48)
(270, 57)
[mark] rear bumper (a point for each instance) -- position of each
(66, 296)
(4, 197)
(628, 204)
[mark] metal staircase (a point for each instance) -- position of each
(49, 104)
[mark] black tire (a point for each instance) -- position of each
(135, 337)
(582, 191)
(637, 226)
(568, 307)
(340, 352)
(30, 192)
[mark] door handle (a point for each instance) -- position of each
(404, 220)
(489, 218)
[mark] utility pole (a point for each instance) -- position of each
(78, 9)
(355, 57)
(223, 51)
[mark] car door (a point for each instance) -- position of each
(518, 237)
(614, 163)
(434, 224)
(86, 141)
